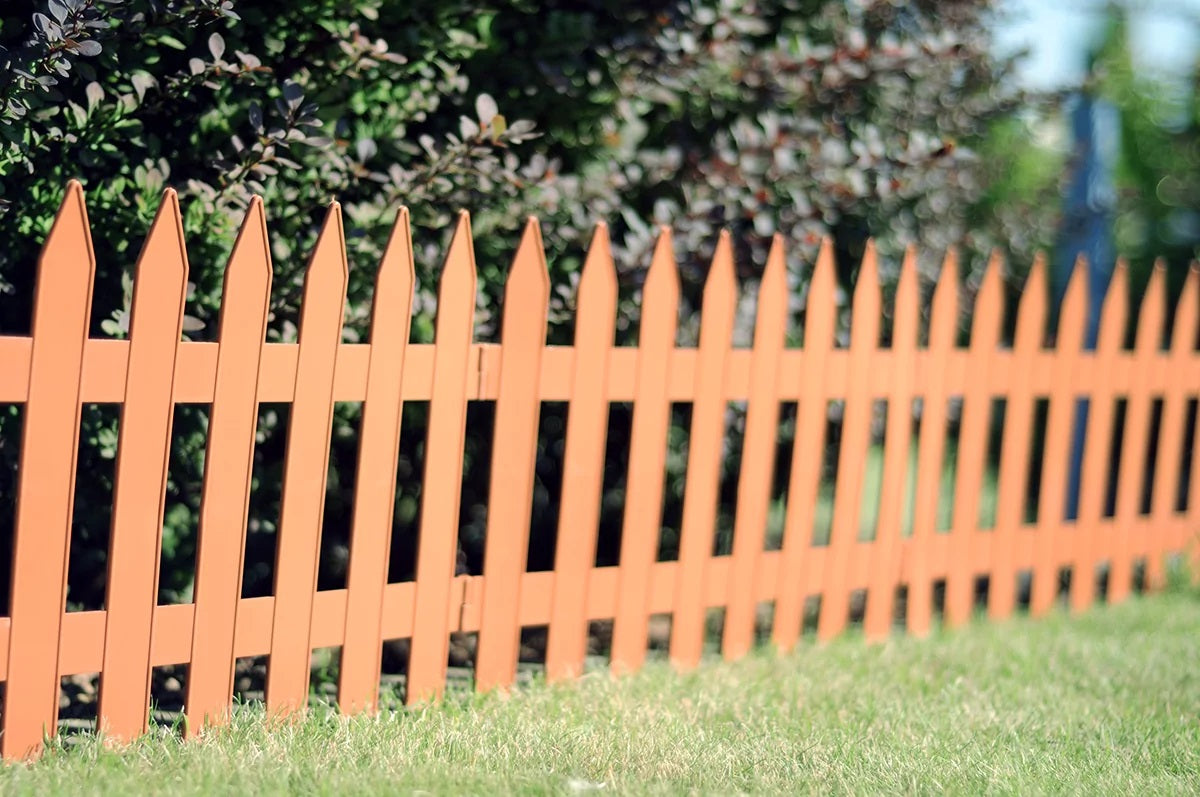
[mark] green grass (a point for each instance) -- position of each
(1104, 703)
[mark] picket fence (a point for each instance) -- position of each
(58, 368)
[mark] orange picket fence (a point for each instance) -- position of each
(59, 368)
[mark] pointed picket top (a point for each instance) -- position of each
(989, 301)
(250, 258)
(1184, 334)
(162, 268)
(720, 297)
(773, 289)
(1031, 315)
(395, 278)
(865, 310)
(908, 296)
(458, 270)
(1116, 310)
(327, 269)
(820, 308)
(720, 286)
(165, 246)
(775, 274)
(251, 241)
(67, 253)
(529, 276)
(660, 294)
(943, 322)
(1150, 314)
(599, 277)
(1072, 316)
(664, 272)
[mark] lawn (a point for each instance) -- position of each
(1107, 702)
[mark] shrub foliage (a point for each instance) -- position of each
(804, 117)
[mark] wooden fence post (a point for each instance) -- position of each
(1098, 441)
(703, 479)
(1136, 438)
(972, 445)
(514, 456)
(46, 479)
(758, 454)
(1171, 370)
(442, 487)
(943, 326)
(852, 456)
(1056, 448)
(302, 502)
(647, 458)
(820, 320)
(375, 478)
(220, 550)
(143, 451)
(881, 594)
(1189, 341)
(583, 461)
(1014, 447)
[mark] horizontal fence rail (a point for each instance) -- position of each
(58, 368)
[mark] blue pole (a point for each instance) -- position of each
(1088, 212)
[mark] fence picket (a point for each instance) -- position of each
(758, 454)
(1097, 450)
(302, 503)
(220, 549)
(805, 478)
(1014, 446)
(881, 592)
(143, 450)
(856, 439)
(972, 444)
(583, 460)
(46, 479)
(1187, 339)
(1057, 445)
(1170, 435)
(514, 455)
(943, 325)
(375, 479)
(703, 479)
(1135, 440)
(442, 486)
(647, 458)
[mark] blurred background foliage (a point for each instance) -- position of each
(850, 118)
(1158, 169)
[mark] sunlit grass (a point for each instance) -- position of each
(1102, 703)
